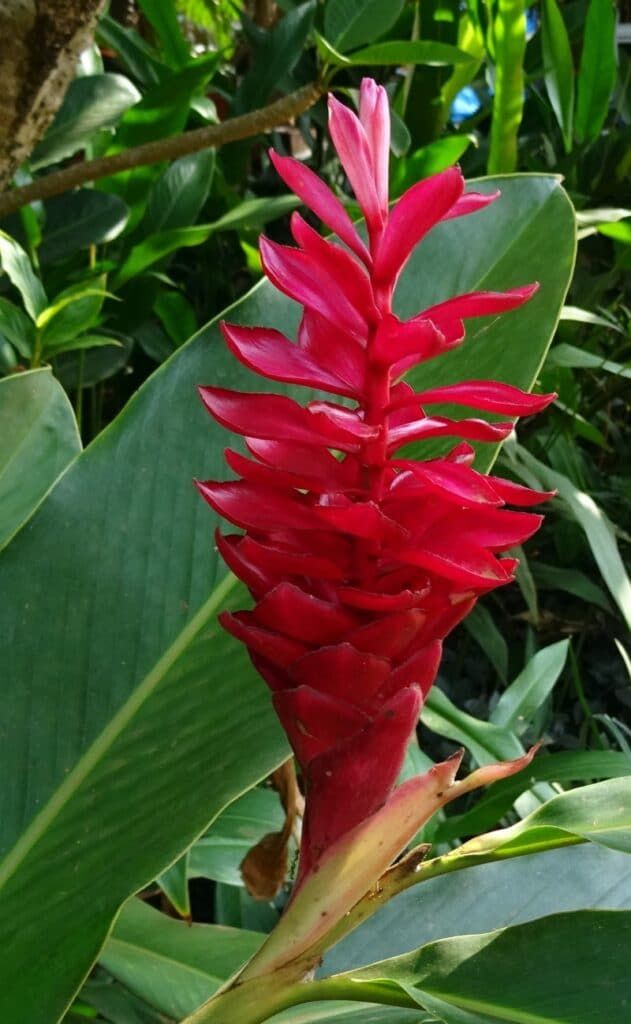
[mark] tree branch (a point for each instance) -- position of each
(243, 127)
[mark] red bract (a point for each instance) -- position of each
(360, 563)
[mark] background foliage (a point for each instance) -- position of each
(119, 680)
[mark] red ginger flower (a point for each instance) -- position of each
(359, 566)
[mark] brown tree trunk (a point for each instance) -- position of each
(40, 41)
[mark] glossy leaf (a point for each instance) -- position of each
(489, 896)
(477, 979)
(178, 195)
(275, 56)
(430, 159)
(92, 103)
(79, 219)
(173, 965)
(597, 73)
(350, 23)
(38, 440)
(146, 634)
(416, 51)
(558, 68)
(219, 853)
(17, 266)
(16, 327)
(530, 689)
(579, 358)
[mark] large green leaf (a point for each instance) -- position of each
(349, 23)
(174, 966)
(91, 104)
(558, 68)
(79, 219)
(486, 897)
(38, 440)
(144, 708)
(564, 969)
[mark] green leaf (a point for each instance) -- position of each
(173, 965)
(416, 51)
(95, 363)
(334, 1012)
(598, 530)
(252, 213)
(139, 673)
(178, 195)
(480, 979)
(486, 741)
(572, 581)
(16, 327)
(597, 74)
(162, 16)
(275, 56)
(174, 884)
(176, 315)
(91, 104)
(559, 69)
(71, 314)
(480, 625)
(580, 358)
(79, 219)
(17, 267)
(80, 343)
(351, 23)
(132, 50)
(428, 160)
(489, 896)
(531, 688)
(38, 441)
(219, 853)
(568, 766)
(585, 316)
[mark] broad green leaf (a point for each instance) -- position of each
(219, 853)
(563, 969)
(486, 741)
(162, 15)
(38, 441)
(579, 358)
(333, 1011)
(416, 51)
(597, 73)
(558, 68)
(252, 213)
(173, 965)
(275, 56)
(178, 195)
(568, 766)
(526, 694)
(18, 269)
(351, 23)
(16, 327)
(72, 313)
(110, 1001)
(91, 104)
(428, 160)
(137, 672)
(480, 625)
(509, 48)
(79, 219)
(598, 530)
(489, 896)
(102, 356)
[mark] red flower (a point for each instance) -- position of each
(360, 565)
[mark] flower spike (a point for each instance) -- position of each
(360, 562)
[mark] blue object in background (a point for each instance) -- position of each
(466, 104)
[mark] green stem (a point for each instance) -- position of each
(509, 35)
